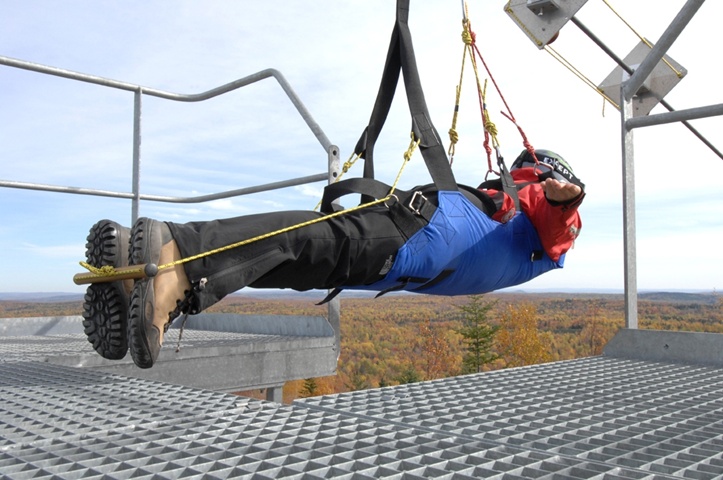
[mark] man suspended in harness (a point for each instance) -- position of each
(358, 250)
(442, 239)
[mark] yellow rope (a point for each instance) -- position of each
(106, 270)
(407, 157)
(109, 270)
(453, 135)
(678, 73)
(489, 126)
(579, 74)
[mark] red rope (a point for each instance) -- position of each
(482, 106)
(511, 117)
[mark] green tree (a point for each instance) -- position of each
(356, 380)
(310, 388)
(478, 334)
(408, 375)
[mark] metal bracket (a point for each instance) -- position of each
(664, 77)
(417, 196)
(541, 20)
(542, 7)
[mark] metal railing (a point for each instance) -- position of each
(138, 91)
(333, 167)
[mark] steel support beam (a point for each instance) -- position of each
(630, 71)
(629, 244)
(676, 116)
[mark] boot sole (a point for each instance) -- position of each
(105, 306)
(137, 333)
(139, 321)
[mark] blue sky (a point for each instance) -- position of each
(55, 131)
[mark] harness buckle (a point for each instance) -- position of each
(416, 202)
(392, 196)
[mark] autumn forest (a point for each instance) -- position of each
(408, 338)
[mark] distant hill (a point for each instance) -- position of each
(708, 298)
(40, 297)
(679, 297)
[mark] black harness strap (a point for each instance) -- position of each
(400, 57)
(507, 182)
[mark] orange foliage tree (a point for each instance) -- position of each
(519, 340)
(435, 351)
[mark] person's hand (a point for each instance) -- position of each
(558, 191)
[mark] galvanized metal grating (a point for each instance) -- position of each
(651, 417)
(20, 348)
(60, 422)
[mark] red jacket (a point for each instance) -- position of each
(558, 225)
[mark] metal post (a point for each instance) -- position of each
(334, 307)
(275, 394)
(136, 187)
(631, 285)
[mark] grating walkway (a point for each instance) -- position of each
(647, 417)
(598, 417)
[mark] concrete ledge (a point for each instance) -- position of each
(287, 325)
(40, 326)
(293, 325)
(221, 352)
(667, 346)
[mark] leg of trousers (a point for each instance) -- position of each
(350, 249)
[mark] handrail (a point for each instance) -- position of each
(179, 97)
(139, 91)
(158, 198)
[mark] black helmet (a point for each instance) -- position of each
(551, 165)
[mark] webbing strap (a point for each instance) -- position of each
(508, 183)
(369, 186)
(400, 58)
